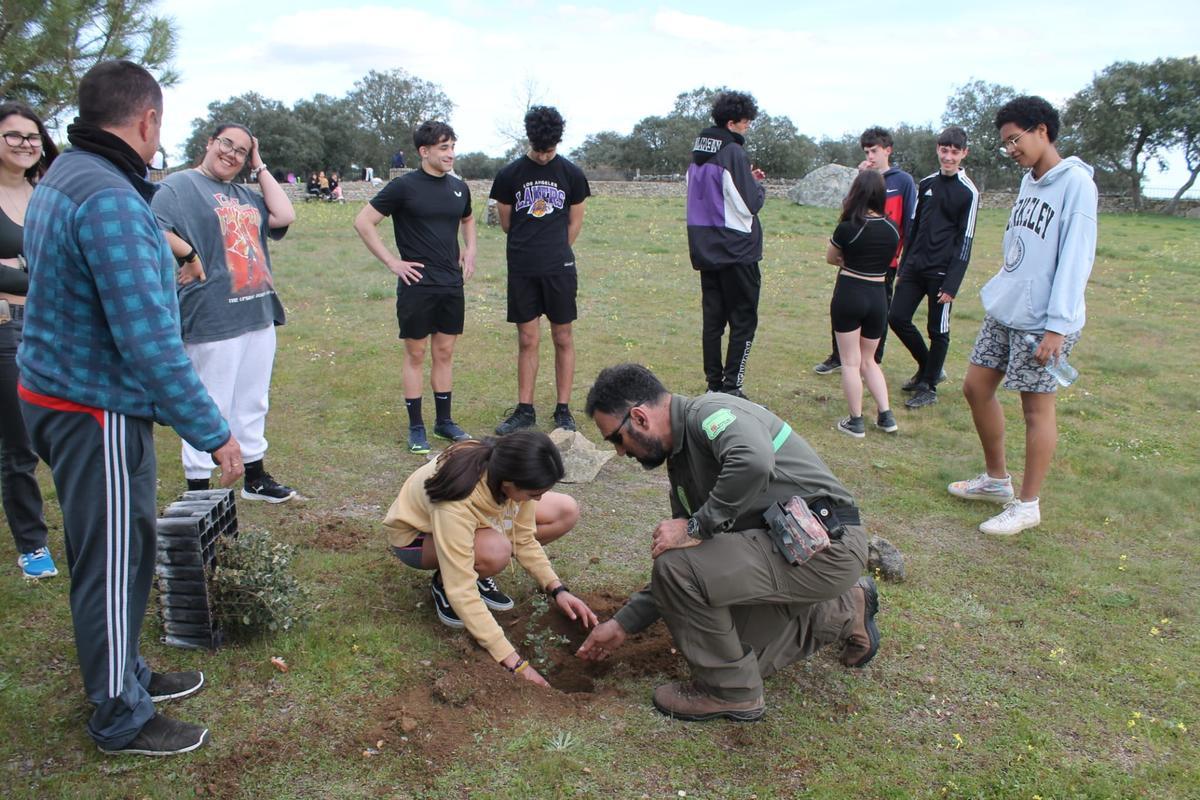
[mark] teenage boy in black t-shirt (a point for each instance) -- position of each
(429, 207)
(934, 263)
(540, 198)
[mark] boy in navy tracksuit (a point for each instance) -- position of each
(899, 205)
(935, 260)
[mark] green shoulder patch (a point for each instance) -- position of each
(716, 422)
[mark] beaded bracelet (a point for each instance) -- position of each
(520, 665)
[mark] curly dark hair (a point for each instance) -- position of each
(875, 136)
(544, 127)
(733, 107)
(1029, 111)
(433, 132)
(620, 388)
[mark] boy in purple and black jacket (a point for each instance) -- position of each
(724, 196)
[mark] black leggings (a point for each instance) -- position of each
(909, 294)
(859, 304)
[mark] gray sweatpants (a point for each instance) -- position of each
(104, 470)
(738, 611)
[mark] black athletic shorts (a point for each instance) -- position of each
(859, 304)
(552, 294)
(421, 313)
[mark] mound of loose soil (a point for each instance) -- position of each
(472, 693)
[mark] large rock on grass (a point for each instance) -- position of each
(824, 186)
(581, 459)
(884, 559)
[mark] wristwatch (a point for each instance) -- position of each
(189, 258)
(693, 528)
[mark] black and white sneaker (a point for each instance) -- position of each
(163, 736)
(441, 604)
(174, 685)
(829, 365)
(491, 595)
(264, 487)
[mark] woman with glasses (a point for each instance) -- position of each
(25, 153)
(862, 247)
(466, 514)
(218, 230)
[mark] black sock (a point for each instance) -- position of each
(254, 470)
(198, 484)
(413, 405)
(441, 404)
(561, 407)
(526, 407)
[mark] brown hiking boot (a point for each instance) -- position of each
(689, 702)
(863, 642)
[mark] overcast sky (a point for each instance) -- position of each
(831, 67)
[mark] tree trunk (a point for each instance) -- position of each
(1173, 206)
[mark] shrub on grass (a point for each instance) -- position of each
(253, 589)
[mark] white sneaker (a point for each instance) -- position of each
(983, 487)
(1016, 517)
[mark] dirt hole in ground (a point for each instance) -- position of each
(471, 693)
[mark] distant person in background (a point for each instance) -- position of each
(218, 231)
(335, 187)
(862, 247)
(1049, 247)
(323, 184)
(398, 160)
(540, 198)
(429, 208)
(26, 152)
(724, 196)
(313, 187)
(901, 204)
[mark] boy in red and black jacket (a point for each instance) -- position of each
(899, 206)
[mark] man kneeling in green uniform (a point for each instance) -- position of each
(735, 606)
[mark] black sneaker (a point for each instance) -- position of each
(853, 426)
(518, 419)
(565, 420)
(886, 422)
(922, 398)
(174, 685)
(441, 604)
(915, 383)
(828, 366)
(491, 595)
(448, 429)
(735, 391)
(417, 443)
(264, 487)
(163, 736)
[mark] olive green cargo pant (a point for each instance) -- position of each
(738, 611)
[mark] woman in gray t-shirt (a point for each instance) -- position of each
(228, 308)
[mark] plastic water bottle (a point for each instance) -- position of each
(1063, 372)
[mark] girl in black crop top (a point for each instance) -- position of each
(25, 153)
(862, 245)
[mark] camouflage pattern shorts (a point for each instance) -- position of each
(1004, 349)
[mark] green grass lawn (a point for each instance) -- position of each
(1061, 663)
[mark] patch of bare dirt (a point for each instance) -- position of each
(469, 693)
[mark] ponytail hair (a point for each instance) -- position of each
(527, 459)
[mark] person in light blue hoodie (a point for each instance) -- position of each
(1049, 247)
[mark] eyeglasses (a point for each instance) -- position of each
(1009, 144)
(14, 139)
(615, 438)
(227, 147)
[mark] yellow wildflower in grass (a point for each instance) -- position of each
(958, 742)
(1154, 630)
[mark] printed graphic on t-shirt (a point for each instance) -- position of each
(539, 199)
(244, 256)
